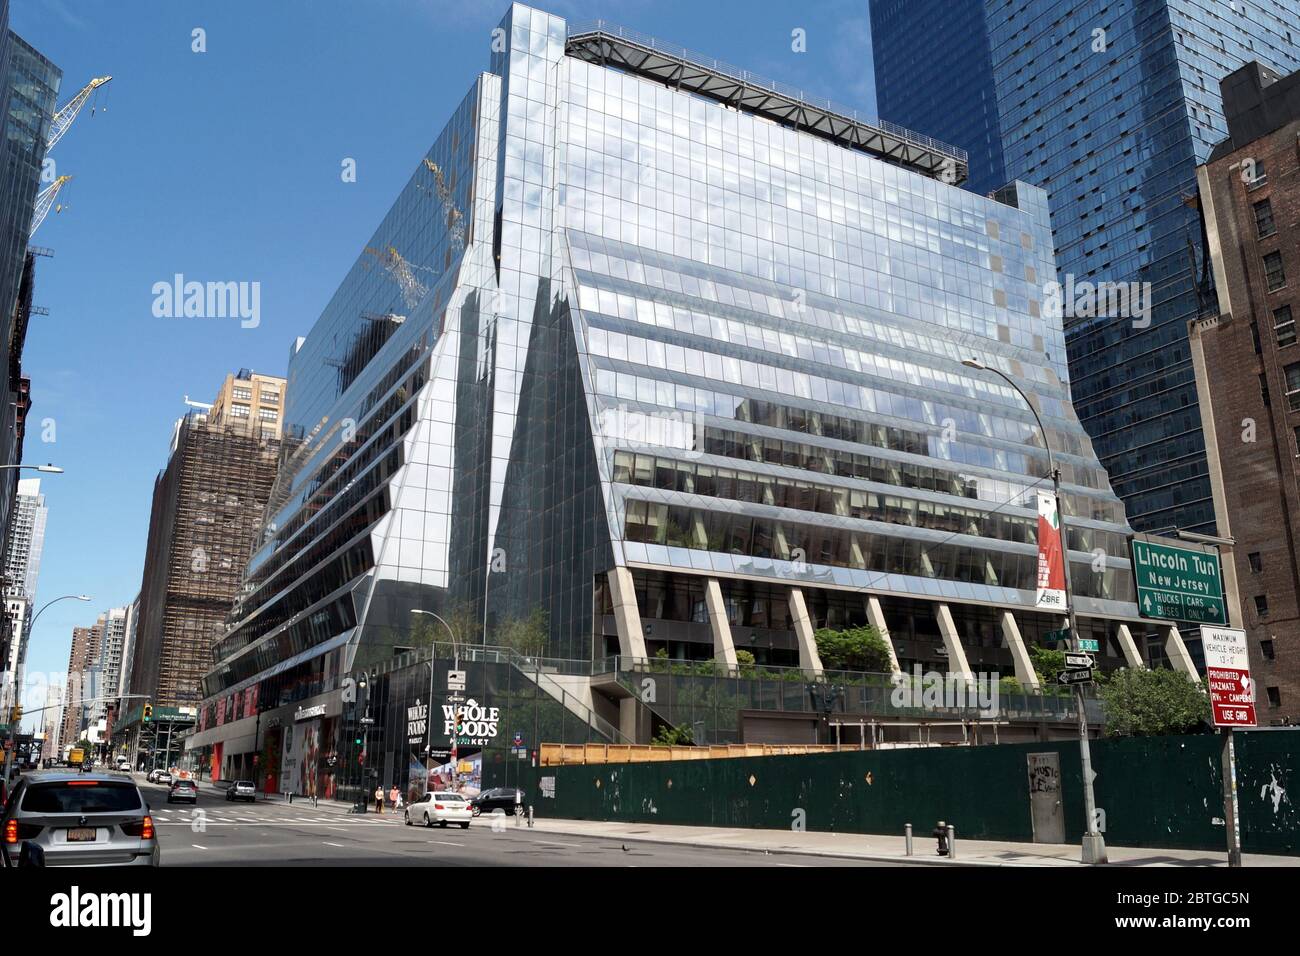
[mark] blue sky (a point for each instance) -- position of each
(225, 166)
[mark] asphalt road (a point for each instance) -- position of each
(272, 833)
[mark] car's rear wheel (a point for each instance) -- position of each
(408, 819)
(465, 825)
(426, 821)
(443, 824)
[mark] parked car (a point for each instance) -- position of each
(440, 808)
(242, 790)
(162, 776)
(183, 790)
(502, 798)
(78, 819)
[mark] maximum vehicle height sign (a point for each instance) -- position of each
(1227, 671)
(1178, 583)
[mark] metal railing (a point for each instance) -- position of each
(751, 78)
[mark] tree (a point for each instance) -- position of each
(675, 736)
(1048, 663)
(1149, 703)
(527, 636)
(462, 620)
(854, 648)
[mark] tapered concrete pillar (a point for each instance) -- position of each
(1132, 656)
(809, 659)
(957, 663)
(723, 648)
(1176, 650)
(876, 618)
(1025, 672)
(627, 617)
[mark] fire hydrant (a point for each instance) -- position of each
(940, 833)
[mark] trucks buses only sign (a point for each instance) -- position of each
(1227, 669)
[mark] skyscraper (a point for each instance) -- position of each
(22, 568)
(82, 682)
(206, 516)
(1109, 107)
(649, 355)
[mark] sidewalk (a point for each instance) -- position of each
(889, 849)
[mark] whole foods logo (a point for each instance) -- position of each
(470, 723)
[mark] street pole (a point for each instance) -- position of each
(1231, 818)
(1094, 844)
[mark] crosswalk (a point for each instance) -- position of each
(169, 816)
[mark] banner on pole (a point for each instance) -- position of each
(1051, 562)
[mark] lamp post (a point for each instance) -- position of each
(428, 717)
(28, 627)
(1094, 844)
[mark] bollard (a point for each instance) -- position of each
(907, 837)
(530, 816)
(952, 842)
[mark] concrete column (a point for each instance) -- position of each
(633, 720)
(1025, 672)
(809, 659)
(723, 648)
(627, 618)
(957, 663)
(876, 617)
(1177, 652)
(1129, 646)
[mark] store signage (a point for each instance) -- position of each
(417, 723)
(307, 713)
(1227, 671)
(478, 724)
(1051, 565)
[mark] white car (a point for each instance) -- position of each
(441, 808)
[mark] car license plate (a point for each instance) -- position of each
(81, 835)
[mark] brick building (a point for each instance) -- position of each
(1246, 356)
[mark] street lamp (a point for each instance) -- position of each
(455, 646)
(428, 717)
(1094, 844)
(46, 469)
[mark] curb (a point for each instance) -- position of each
(786, 851)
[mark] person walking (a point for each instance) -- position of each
(379, 799)
(395, 798)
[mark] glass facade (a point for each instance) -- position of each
(615, 328)
(1110, 106)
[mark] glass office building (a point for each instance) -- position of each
(654, 351)
(1109, 106)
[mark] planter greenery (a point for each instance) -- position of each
(1148, 703)
(853, 648)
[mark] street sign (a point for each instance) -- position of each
(367, 720)
(1074, 677)
(1051, 638)
(455, 680)
(1178, 583)
(1227, 671)
(1076, 661)
(1088, 644)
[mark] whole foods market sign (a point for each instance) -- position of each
(477, 724)
(1177, 583)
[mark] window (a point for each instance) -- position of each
(1266, 648)
(270, 398)
(1264, 219)
(1274, 274)
(1261, 605)
(1256, 564)
(1283, 326)
(267, 414)
(1253, 173)
(239, 411)
(1274, 697)
(1292, 373)
(245, 393)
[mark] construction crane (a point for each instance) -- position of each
(64, 117)
(44, 200)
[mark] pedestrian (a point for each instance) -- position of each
(394, 797)
(379, 799)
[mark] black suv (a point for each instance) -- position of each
(502, 798)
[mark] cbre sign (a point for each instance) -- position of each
(1178, 583)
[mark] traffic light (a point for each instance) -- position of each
(16, 714)
(148, 713)
(460, 722)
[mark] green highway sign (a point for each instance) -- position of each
(1051, 638)
(1178, 583)
(1087, 644)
